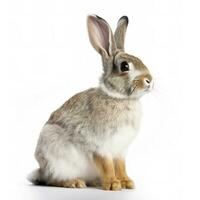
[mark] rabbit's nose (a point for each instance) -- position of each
(147, 81)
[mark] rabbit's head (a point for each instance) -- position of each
(125, 76)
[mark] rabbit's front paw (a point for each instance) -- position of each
(127, 183)
(111, 184)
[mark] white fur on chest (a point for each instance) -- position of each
(117, 143)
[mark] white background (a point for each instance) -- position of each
(46, 57)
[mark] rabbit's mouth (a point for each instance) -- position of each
(137, 90)
(132, 89)
(147, 89)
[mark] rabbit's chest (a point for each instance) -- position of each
(117, 143)
(117, 140)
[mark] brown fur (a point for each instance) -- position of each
(107, 173)
(120, 173)
(139, 81)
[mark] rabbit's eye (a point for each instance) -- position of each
(124, 66)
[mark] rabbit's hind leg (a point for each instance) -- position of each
(74, 183)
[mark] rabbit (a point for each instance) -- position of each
(84, 142)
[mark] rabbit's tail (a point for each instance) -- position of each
(35, 177)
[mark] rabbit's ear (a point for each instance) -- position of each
(100, 35)
(121, 32)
